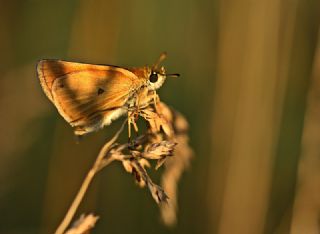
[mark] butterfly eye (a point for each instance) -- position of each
(153, 77)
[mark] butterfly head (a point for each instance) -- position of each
(156, 78)
(157, 75)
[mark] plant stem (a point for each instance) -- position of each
(87, 181)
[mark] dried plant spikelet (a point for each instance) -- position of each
(165, 111)
(175, 166)
(154, 138)
(136, 166)
(160, 162)
(180, 123)
(83, 225)
(135, 153)
(152, 118)
(139, 179)
(159, 150)
(158, 193)
(166, 117)
(157, 121)
(127, 166)
(144, 163)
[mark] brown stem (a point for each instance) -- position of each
(87, 181)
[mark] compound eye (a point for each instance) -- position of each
(153, 77)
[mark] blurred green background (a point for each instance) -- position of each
(249, 89)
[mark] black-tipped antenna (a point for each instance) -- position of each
(162, 56)
(174, 75)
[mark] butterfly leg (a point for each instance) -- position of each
(129, 126)
(135, 116)
(132, 117)
(132, 121)
(156, 99)
(135, 113)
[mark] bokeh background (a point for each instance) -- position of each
(249, 88)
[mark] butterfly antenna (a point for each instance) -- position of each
(174, 75)
(162, 56)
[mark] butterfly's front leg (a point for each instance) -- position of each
(133, 114)
(141, 99)
(156, 99)
(131, 121)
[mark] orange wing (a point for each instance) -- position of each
(87, 96)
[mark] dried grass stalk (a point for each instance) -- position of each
(165, 137)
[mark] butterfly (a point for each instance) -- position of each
(90, 96)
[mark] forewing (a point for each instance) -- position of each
(82, 91)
